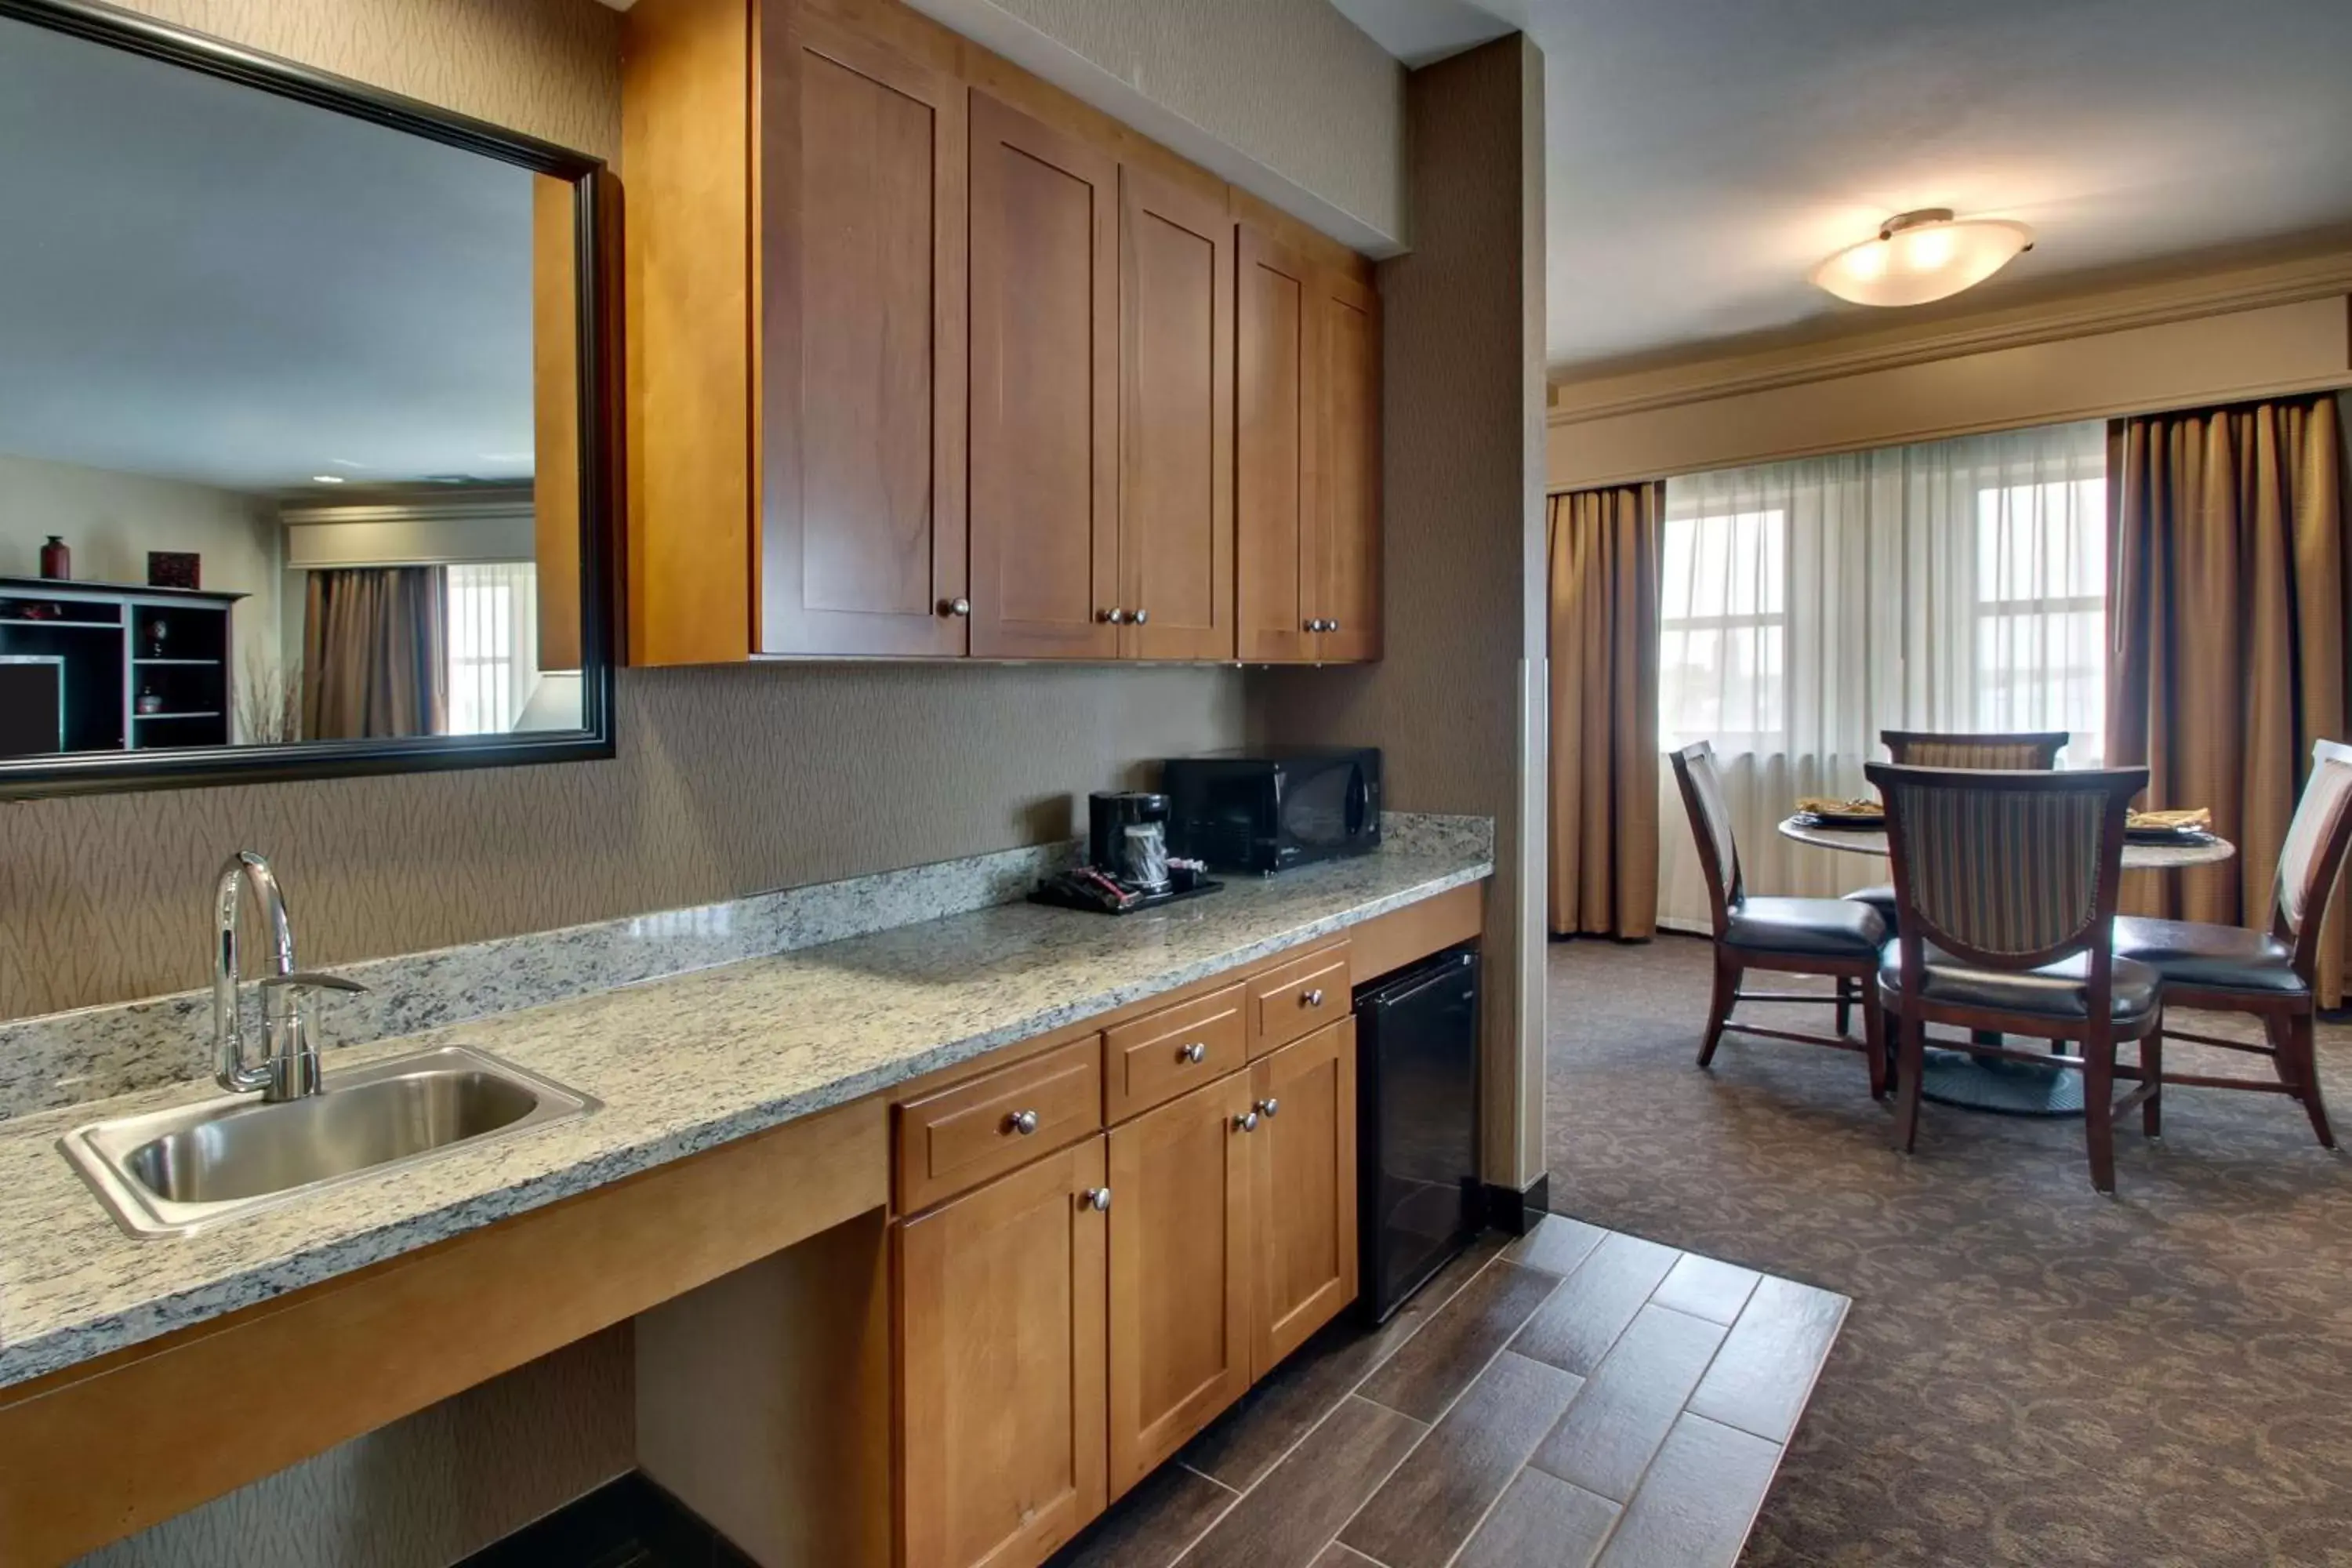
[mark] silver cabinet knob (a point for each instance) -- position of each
(1316, 625)
(1330, 626)
(955, 607)
(1312, 998)
(1114, 617)
(1140, 616)
(1021, 1121)
(1095, 1198)
(1245, 1122)
(1269, 1106)
(1196, 1052)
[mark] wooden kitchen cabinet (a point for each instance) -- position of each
(862, 172)
(926, 358)
(1274, 427)
(1002, 1297)
(1302, 1187)
(1306, 458)
(1347, 577)
(1180, 1271)
(1045, 393)
(1176, 419)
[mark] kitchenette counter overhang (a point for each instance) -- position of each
(683, 1065)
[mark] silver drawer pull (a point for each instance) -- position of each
(1196, 1052)
(1245, 1122)
(1095, 1198)
(1021, 1121)
(1313, 999)
(1269, 1106)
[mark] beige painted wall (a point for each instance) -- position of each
(1462, 410)
(1288, 98)
(110, 520)
(2221, 338)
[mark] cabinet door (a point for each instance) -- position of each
(1304, 1189)
(1044, 394)
(1272, 435)
(1000, 1339)
(1176, 420)
(1180, 1266)
(1346, 596)
(862, 169)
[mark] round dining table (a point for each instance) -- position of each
(1991, 1083)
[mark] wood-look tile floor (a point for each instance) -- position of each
(1576, 1396)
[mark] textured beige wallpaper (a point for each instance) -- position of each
(548, 67)
(729, 781)
(1293, 83)
(1462, 407)
(426, 1491)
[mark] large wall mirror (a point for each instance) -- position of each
(304, 441)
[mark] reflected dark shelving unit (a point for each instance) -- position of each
(76, 657)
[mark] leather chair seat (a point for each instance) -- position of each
(1880, 899)
(1817, 928)
(2193, 953)
(2059, 990)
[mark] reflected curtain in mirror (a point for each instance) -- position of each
(374, 659)
(2227, 659)
(1604, 711)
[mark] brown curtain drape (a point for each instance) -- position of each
(374, 659)
(2226, 603)
(1604, 711)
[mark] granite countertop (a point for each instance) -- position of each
(682, 1064)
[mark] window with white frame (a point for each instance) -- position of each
(1805, 607)
(1723, 628)
(492, 642)
(2042, 611)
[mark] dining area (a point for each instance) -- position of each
(1995, 971)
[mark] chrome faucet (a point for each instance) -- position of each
(288, 1067)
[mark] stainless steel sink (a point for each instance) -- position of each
(172, 1171)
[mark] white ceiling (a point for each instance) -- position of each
(205, 282)
(1704, 154)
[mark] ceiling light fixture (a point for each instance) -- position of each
(1922, 255)
(326, 479)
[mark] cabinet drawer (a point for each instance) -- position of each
(961, 1136)
(1299, 997)
(1162, 1055)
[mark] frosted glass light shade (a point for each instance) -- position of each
(1922, 255)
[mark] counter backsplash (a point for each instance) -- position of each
(96, 1053)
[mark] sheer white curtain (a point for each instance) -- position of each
(1805, 607)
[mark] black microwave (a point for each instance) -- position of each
(1267, 811)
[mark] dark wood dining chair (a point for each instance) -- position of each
(1789, 936)
(2031, 750)
(2005, 889)
(2034, 751)
(2265, 972)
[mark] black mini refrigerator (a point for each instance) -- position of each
(1417, 1125)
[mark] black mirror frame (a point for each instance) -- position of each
(595, 223)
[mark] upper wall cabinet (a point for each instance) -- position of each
(1308, 455)
(975, 371)
(861, 500)
(1045, 403)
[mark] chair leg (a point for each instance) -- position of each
(1718, 1010)
(2099, 1106)
(1873, 1043)
(1909, 1068)
(2151, 1066)
(1845, 1003)
(2296, 1052)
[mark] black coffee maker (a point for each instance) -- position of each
(1115, 852)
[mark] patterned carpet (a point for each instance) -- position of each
(2032, 1373)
